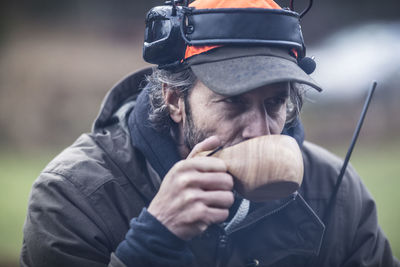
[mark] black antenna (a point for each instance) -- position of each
(348, 155)
(326, 218)
(305, 11)
(291, 6)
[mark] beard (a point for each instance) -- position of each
(192, 135)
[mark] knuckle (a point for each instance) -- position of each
(179, 165)
(220, 216)
(221, 161)
(193, 180)
(188, 219)
(230, 198)
(222, 164)
(190, 197)
(187, 179)
(228, 180)
(224, 180)
(186, 197)
(224, 214)
(207, 218)
(203, 227)
(217, 163)
(197, 147)
(184, 180)
(226, 199)
(200, 210)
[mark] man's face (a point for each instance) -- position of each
(234, 119)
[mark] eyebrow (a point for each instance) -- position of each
(283, 93)
(280, 91)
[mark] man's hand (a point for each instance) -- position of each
(195, 193)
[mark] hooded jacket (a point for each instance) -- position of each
(82, 203)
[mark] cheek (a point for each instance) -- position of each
(213, 121)
(277, 122)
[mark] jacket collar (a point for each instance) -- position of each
(158, 147)
(110, 133)
(124, 91)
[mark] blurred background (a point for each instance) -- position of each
(59, 58)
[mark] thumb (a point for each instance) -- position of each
(207, 144)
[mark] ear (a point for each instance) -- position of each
(175, 103)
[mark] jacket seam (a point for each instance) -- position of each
(89, 201)
(145, 200)
(68, 177)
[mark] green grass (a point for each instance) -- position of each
(16, 178)
(378, 167)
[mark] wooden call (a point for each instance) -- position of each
(264, 168)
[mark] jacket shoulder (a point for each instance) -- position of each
(321, 171)
(315, 156)
(84, 164)
(353, 236)
(79, 207)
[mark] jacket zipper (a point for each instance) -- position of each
(223, 239)
(222, 249)
(244, 225)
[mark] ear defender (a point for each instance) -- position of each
(307, 64)
(173, 27)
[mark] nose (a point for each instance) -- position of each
(256, 124)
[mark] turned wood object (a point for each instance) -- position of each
(264, 168)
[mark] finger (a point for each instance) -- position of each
(202, 164)
(201, 226)
(216, 215)
(206, 199)
(209, 143)
(218, 199)
(213, 181)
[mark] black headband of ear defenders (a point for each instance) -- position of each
(252, 26)
(170, 28)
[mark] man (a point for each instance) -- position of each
(133, 192)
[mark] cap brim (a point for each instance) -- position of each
(238, 75)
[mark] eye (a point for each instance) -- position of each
(274, 104)
(234, 100)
